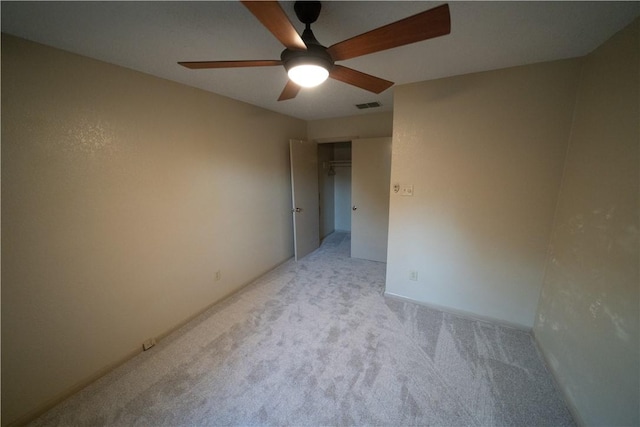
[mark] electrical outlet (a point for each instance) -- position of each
(218, 275)
(406, 190)
(148, 344)
(413, 275)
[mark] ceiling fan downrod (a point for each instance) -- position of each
(315, 56)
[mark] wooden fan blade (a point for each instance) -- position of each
(359, 79)
(290, 91)
(273, 17)
(195, 65)
(426, 25)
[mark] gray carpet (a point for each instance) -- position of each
(316, 343)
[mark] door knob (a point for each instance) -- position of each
(354, 208)
(296, 210)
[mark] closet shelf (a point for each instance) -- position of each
(338, 163)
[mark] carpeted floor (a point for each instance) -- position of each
(316, 343)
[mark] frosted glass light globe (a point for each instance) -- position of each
(308, 75)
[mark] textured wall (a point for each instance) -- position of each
(484, 153)
(587, 323)
(122, 195)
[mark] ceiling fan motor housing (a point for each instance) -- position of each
(314, 55)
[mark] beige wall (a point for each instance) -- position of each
(122, 195)
(343, 128)
(484, 153)
(587, 323)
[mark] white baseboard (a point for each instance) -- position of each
(461, 313)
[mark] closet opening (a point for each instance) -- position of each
(334, 187)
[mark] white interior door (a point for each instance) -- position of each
(370, 186)
(304, 194)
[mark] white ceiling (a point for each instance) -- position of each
(152, 36)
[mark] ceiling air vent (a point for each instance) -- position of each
(368, 105)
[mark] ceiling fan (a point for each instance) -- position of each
(308, 63)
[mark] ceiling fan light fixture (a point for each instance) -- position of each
(308, 75)
(307, 68)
